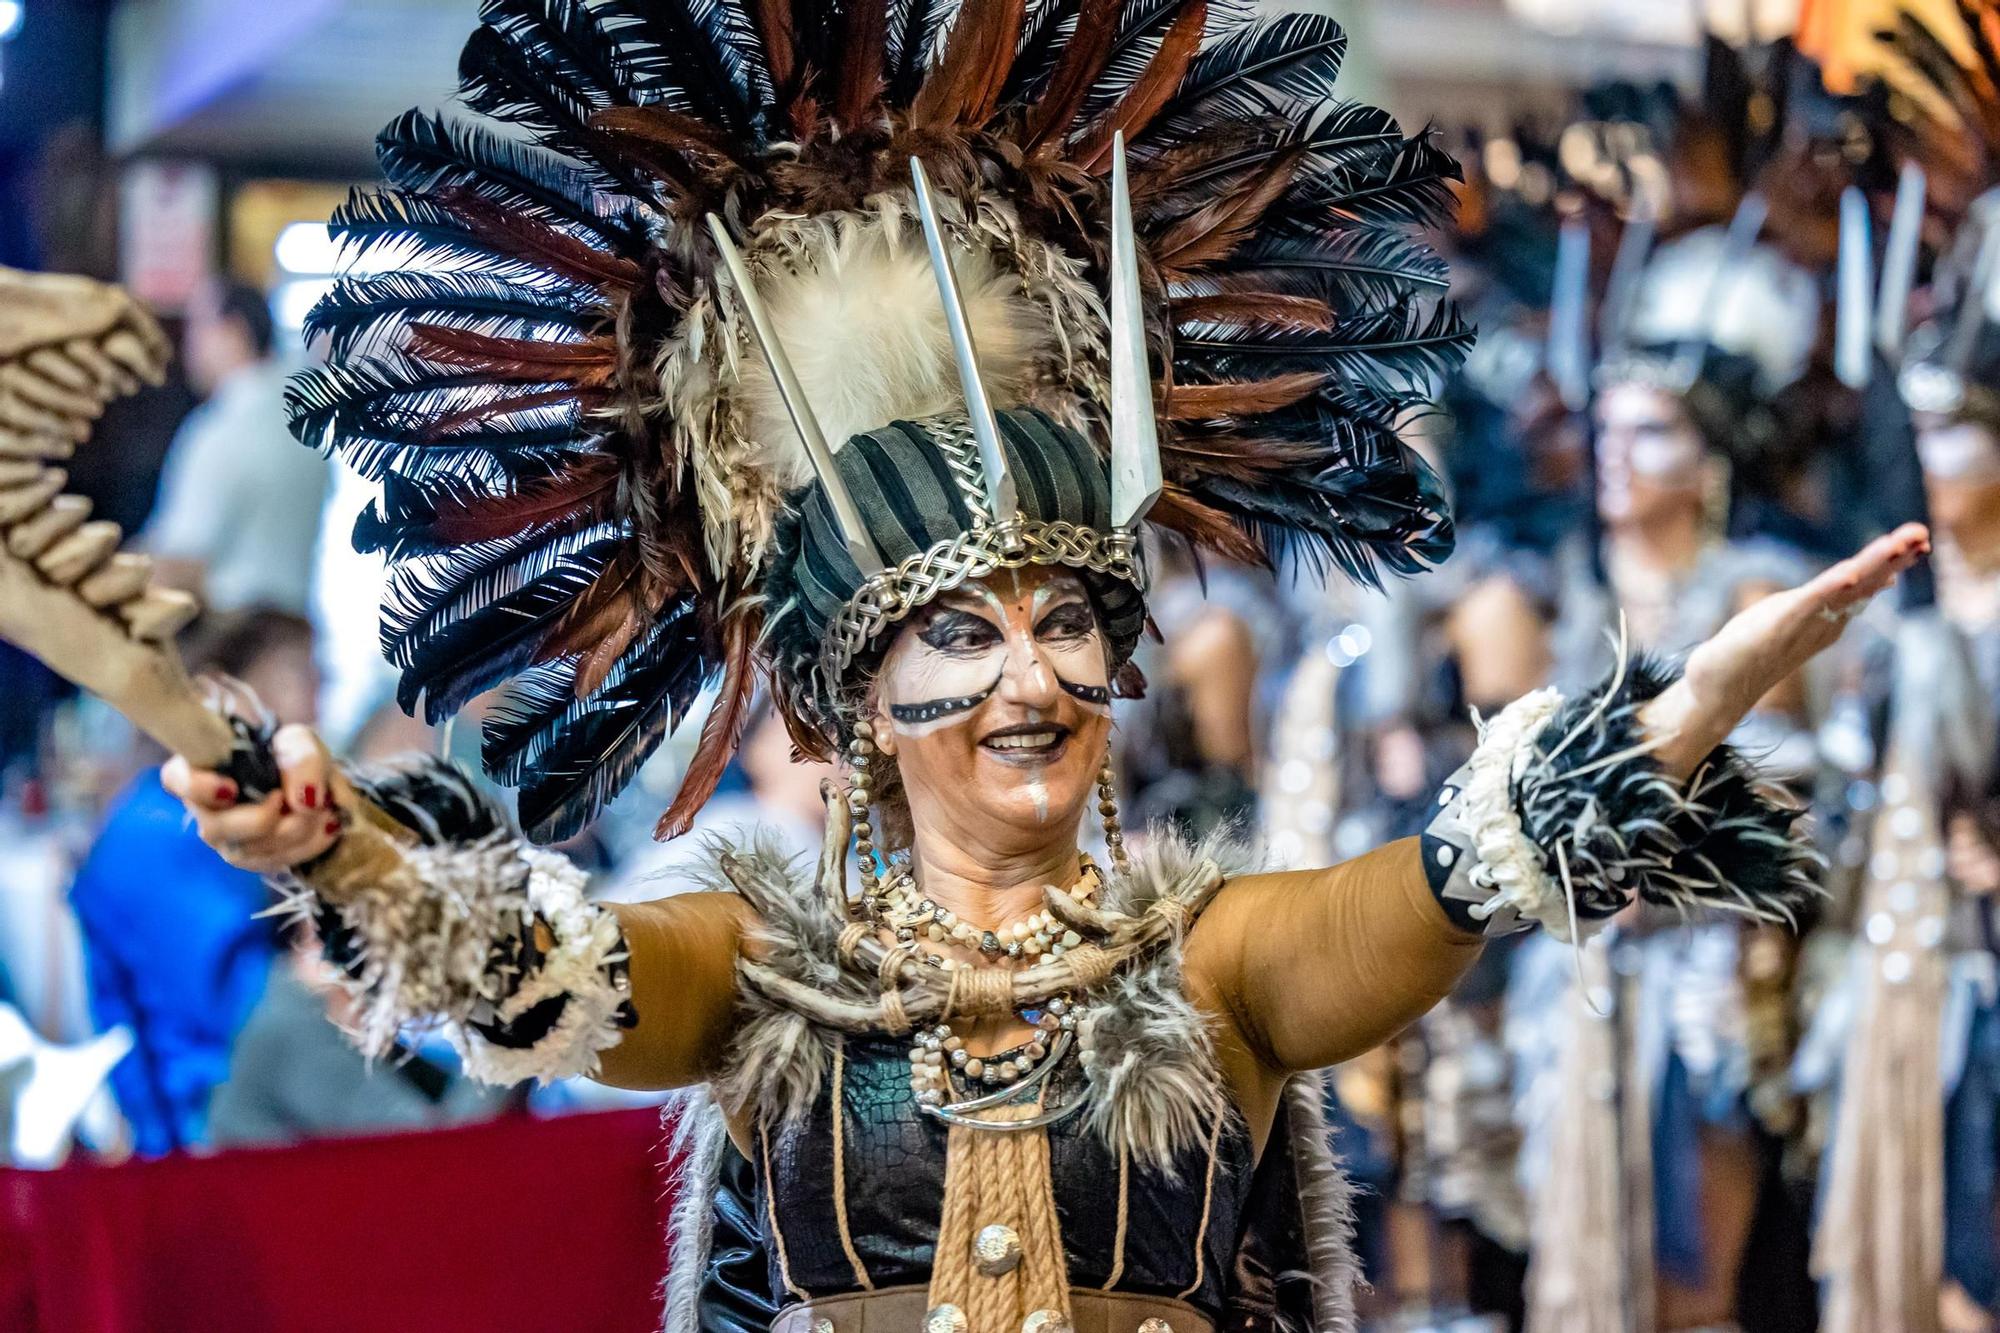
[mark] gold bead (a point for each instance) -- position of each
(996, 1250)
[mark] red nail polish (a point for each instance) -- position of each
(310, 795)
(333, 828)
(284, 806)
(226, 792)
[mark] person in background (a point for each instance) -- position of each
(173, 948)
(238, 515)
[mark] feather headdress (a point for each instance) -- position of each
(588, 478)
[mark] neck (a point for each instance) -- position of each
(988, 886)
(1670, 544)
(1978, 545)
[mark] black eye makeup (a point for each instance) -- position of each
(1090, 694)
(930, 710)
(1071, 620)
(951, 631)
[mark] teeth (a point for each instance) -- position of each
(1028, 740)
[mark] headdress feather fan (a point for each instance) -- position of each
(585, 474)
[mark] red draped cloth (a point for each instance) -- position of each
(542, 1225)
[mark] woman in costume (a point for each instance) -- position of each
(709, 379)
(1688, 411)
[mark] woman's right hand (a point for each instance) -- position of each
(289, 827)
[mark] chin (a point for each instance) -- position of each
(1035, 800)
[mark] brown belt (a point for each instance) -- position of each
(903, 1310)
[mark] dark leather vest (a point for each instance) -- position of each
(1182, 1228)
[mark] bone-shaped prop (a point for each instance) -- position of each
(70, 598)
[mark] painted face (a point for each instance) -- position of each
(995, 701)
(1650, 458)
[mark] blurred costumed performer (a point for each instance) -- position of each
(1705, 403)
(708, 380)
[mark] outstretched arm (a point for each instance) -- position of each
(1568, 809)
(476, 932)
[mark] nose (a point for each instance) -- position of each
(1028, 679)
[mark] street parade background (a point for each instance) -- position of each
(1741, 1122)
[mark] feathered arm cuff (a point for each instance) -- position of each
(450, 939)
(1561, 816)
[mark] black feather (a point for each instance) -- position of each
(700, 57)
(913, 31)
(513, 83)
(1279, 65)
(371, 316)
(1411, 188)
(571, 758)
(422, 153)
(1370, 505)
(1359, 269)
(1342, 137)
(455, 639)
(1397, 352)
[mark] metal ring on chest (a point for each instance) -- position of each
(958, 1113)
(950, 1115)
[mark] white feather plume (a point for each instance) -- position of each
(859, 316)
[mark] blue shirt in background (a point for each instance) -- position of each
(174, 952)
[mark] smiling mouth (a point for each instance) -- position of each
(1028, 742)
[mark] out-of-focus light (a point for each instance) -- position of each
(11, 14)
(294, 300)
(305, 247)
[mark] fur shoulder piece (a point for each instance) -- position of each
(1149, 1062)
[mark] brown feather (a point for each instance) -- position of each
(1130, 682)
(588, 365)
(1150, 91)
(774, 25)
(1163, 172)
(721, 731)
(516, 234)
(1229, 450)
(963, 87)
(1206, 527)
(1083, 59)
(585, 491)
(1275, 309)
(1212, 233)
(865, 42)
(1200, 402)
(603, 621)
(508, 405)
(667, 129)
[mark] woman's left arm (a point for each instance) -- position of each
(1567, 810)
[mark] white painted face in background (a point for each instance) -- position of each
(1650, 457)
(996, 698)
(1961, 462)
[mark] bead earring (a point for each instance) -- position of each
(1107, 809)
(860, 796)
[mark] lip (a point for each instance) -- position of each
(1017, 755)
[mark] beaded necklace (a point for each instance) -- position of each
(947, 1078)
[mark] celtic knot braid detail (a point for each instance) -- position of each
(960, 450)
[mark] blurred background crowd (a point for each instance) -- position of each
(1698, 376)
